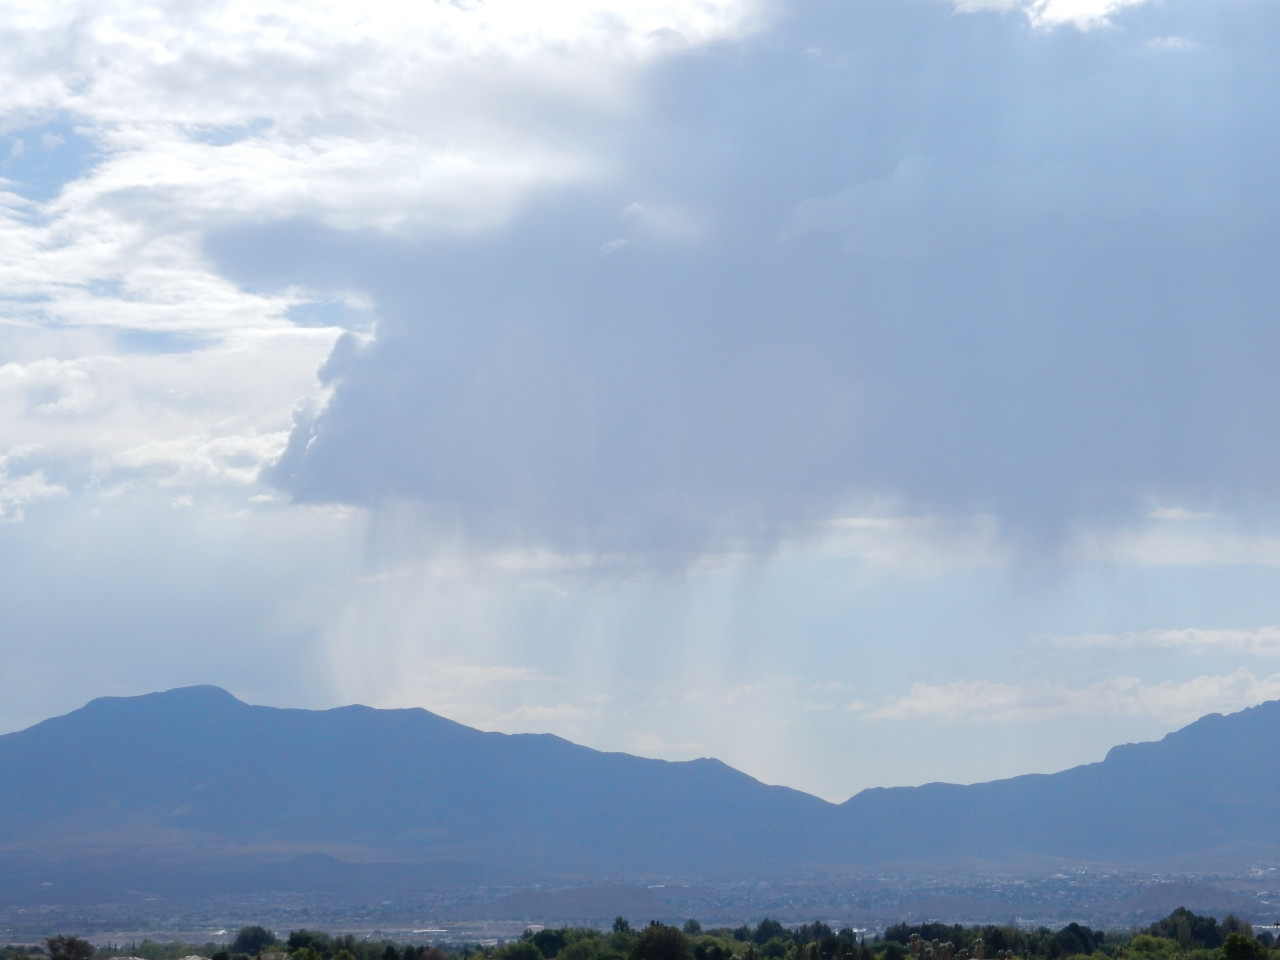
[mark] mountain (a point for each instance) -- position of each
(1204, 797)
(199, 793)
(195, 777)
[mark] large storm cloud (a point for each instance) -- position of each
(875, 250)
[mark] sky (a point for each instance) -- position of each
(862, 392)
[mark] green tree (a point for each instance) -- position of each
(1233, 924)
(658, 941)
(1072, 939)
(1146, 947)
(519, 950)
(620, 925)
(550, 941)
(692, 927)
(1189, 929)
(251, 940)
(66, 947)
(587, 948)
(316, 940)
(1239, 947)
(768, 930)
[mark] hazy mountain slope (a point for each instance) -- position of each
(198, 791)
(1206, 793)
(198, 768)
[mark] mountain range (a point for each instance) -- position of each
(200, 793)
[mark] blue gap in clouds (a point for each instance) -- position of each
(331, 313)
(159, 341)
(38, 161)
(227, 134)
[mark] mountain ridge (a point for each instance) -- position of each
(194, 778)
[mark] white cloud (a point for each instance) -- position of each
(356, 115)
(652, 745)
(1047, 14)
(1264, 641)
(918, 546)
(666, 223)
(1176, 546)
(984, 700)
(204, 459)
(211, 415)
(1179, 514)
(17, 492)
(1172, 43)
(540, 714)
(49, 386)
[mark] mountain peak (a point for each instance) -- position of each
(197, 695)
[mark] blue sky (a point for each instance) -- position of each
(862, 393)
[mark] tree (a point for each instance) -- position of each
(768, 930)
(1189, 929)
(251, 940)
(520, 950)
(658, 941)
(586, 948)
(1239, 947)
(317, 940)
(692, 927)
(549, 941)
(66, 947)
(620, 925)
(1233, 924)
(1073, 939)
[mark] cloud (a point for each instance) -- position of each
(538, 715)
(962, 315)
(1046, 14)
(707, 386)
(136, 128)
(990, 701)
(1179, 514)
(205, 417)
(920, 546)
(1264, 642)
(1179, 547)
(48, 387)
(650, 744)
(18, 492)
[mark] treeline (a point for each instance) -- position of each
(250, 943)
(1182, 935)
